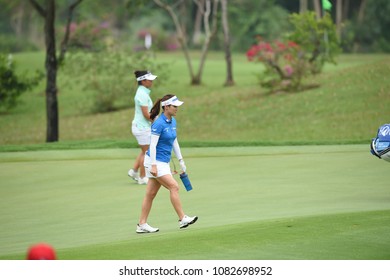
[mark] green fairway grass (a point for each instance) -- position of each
(286, 202)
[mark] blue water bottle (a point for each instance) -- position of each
(186, 181)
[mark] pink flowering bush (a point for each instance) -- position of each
(284, 64)
(160, 40)
(312, 44)
(88, 35)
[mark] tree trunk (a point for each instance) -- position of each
(51, 65)
(228, 56)
(302, 6)
(17, 20)
(65, 40)
(51, 70)
(180, 34)
(209, 35)
(183, 15)
(196, 38)
(345, 10)
(362, 11)
(339, 19)
(317, 8)
(34, 32)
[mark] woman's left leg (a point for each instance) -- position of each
(170, 183)
(140, 159)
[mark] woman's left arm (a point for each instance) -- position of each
(177, 151)
(145, 112)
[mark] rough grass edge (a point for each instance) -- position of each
(123, 144)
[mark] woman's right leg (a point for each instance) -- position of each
(151, 191)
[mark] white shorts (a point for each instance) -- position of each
(142, 135)
(163, 168)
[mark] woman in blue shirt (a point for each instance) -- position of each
(163, 141)
(142, 122)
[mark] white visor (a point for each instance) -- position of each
(149, 76)
(172, 101)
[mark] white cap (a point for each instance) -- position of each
(149, 76)
(172, 101)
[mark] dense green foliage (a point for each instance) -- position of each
(252, 18)
(317, 39)
(12, 84)
(373, 33)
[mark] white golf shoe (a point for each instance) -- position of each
(186, 221)
(145, 228)
(133, 174)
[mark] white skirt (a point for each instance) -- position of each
(142, 135)
(163, 168)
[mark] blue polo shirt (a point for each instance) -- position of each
(166, 129)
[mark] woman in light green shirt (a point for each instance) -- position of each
(141, 123)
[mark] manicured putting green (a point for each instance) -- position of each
(295, 202)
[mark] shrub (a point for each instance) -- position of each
(317, 37)
(13, 85)
(88, 35)
(304, 52)
(108, 75)
(284, 64)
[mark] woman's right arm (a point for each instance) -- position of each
(153, 151)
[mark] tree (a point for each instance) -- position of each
(206, 9)
(228, 56)
(48, 12)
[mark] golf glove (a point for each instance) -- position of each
(182, 165)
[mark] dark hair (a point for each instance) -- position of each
(139, 73)
(157, 105)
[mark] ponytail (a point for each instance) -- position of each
(155, 109)
(157, 105)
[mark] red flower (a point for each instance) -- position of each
(292, 44)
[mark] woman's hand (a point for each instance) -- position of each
(183, 165)
(153, 170)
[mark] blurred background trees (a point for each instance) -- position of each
(362, 25)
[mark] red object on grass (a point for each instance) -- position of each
(41, 251)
